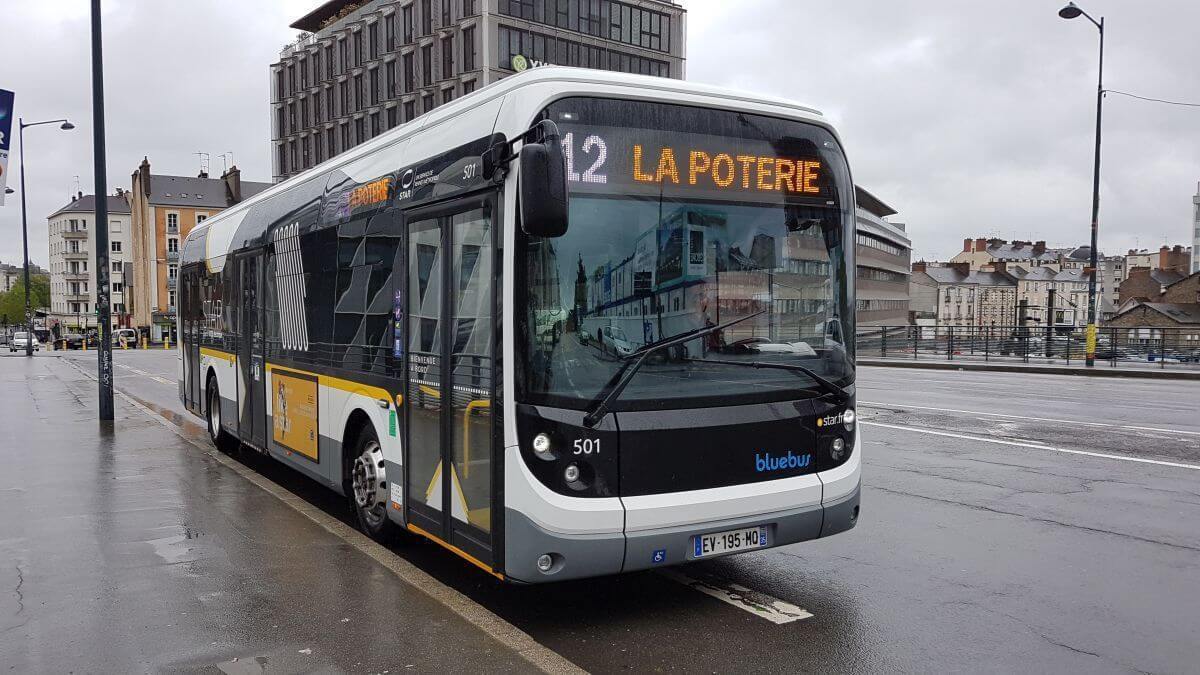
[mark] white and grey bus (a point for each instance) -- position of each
(575, 323)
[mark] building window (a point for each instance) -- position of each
(427, 102)
(409, 83)
(409, 111)
(114, 226)
(346, 145)
(329, 62)
(305, 154)
(447, 95)
(426, 17)
(315, 62)
(118, 287)
(445, 13)
(358, 50)
(447, 58)
(391, 79)
(392, 117)
(389, 32)
(331, 142)
(318, 148)
(468, 7)
(330, 113)
(282, 160)
(115, 246)
(468, 87)
(360, 130)
(359, 99)
(376, 88)
(468, 49)
(343, 56)
(427, 65)
(407, 23)
(373, 37)
(172, 271)
(171, 300)
(375, 130)
(116, 267)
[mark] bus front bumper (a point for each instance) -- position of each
(583, 555)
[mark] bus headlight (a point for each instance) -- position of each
(542, 446)
(571, 473)
(837, 449)
(848, 418)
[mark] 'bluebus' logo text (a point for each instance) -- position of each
(765, 462)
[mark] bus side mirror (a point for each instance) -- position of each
(543, 190)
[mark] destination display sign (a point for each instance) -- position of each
(651, 161)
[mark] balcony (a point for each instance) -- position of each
(75, 255)
(75, 276)
(77, 297)
(171, 283)
(172, 256)
(173, 229)
(75, 234)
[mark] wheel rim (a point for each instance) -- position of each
(369, 480)
(214, 413)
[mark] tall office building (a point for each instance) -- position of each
(361, 68)
(1196, 231)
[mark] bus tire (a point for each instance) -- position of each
(224, 441)
(368, 493)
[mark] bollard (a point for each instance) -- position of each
(167, 342)
(145, 342)
(85, 344)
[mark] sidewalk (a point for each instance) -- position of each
(1077, 367)
(136, 551)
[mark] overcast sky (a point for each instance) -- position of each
(969, 118)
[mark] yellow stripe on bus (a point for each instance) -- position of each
(224, 356)
(339, 383)
(454, 549)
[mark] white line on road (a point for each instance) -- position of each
(1035, 446)
(759, 604)
(1026, 417)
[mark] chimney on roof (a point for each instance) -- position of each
(143, 173)
(919, 266)
(967, 245)
(202, 174)
(960, 267)
(1018, 244)
(1039, 248)
(233, 185)
(79, 195)
(981, 244)
(996, 241)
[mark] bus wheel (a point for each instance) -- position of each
(220, 438)
(369, 488)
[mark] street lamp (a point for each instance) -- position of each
(66, 126)
(1072, 11)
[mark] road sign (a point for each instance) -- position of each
(6, 118)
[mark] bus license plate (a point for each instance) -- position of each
(730, 541)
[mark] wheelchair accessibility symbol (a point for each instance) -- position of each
(659, 556)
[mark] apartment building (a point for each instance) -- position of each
(362, 67)
(953, 294)
(1196, 230)
(72, 263)
(163, 210)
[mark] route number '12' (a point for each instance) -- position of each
(591, 144)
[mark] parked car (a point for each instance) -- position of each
(73, 340)
(21, 340)
(612, 339)
(129, 335)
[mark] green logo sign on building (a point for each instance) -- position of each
(519, 62)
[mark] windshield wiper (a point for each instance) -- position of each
(616, 384)
(839, 394)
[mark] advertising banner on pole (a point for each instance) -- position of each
(6, 118)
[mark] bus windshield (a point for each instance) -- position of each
(682, 219)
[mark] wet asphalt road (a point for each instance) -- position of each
(985, 543)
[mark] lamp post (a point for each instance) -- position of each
(66, 126)
(1072, 11)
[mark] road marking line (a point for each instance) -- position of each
(1036, 446)
(161, 379)
(759, 604)
(1024, 417)
(538, 655)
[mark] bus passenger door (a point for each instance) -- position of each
(252, 409)
(189, 303)
(452, 464)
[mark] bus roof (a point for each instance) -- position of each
(656, 87)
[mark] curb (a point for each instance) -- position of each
(1106, 371)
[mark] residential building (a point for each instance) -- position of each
(1196, 231)
(73, 285)
(952, 294)
(883, 253)
(163, 210)
(362, 67)
(983, 251)
(1176, 308)
(1144, 283)
(1049, 295)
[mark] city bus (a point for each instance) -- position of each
(576, 323)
